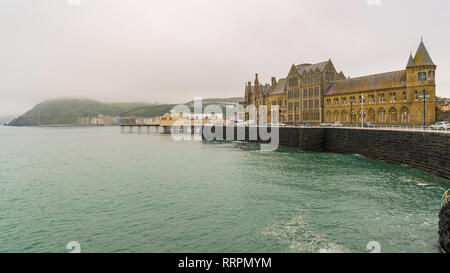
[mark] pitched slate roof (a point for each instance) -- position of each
(395, 79)
(410, 61)
(265, 89)
(280, 87)
(303, 68)
(422, 57)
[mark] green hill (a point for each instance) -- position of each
(67, 111)
(158, 110)
(220, 100)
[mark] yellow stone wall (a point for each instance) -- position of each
(401, 106)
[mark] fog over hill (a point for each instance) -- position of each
(67, 111)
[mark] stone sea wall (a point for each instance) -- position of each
(428, 151)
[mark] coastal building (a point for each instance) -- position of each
(100, 120)
(443, 104)
(393, 98)
(316, 93)
(277, 98)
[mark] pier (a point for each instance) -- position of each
(139, 127)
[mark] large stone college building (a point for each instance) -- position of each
(316, 93)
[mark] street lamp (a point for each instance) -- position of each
(424, 96)
(351, 111)
(295, 115)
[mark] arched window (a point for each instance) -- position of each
(329, 116)
(353, 116)
(336, 116)
(381, 115)
(344, 116)
(393, 115)
(404, 96)
(362, 116)
(404, 115)
(372, 115)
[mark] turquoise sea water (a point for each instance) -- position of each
(114, 192)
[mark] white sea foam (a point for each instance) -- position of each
(300, 238)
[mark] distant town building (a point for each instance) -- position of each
(100, 120)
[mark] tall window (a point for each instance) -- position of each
(293, 82)
(353, 116)
(416, 95)
(404, 115)
(404, 96)
(381, 115)
(371, 115)
(336, 115)
(393, 115)
(344, 116)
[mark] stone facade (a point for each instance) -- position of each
(316, 93)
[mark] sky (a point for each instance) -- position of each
(174, 50)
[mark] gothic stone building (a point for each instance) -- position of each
(316, 93)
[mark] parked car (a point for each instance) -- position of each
(338, 124)
(443, 125)
(239, 123)
(368, 125)
(250, 123)
(277, 124)
(326, 124)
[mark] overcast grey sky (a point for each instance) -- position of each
(171, 51)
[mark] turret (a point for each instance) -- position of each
(274, 81)
(420, 79)
(257, 87)
(421, 70)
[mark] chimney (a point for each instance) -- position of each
(274, 81)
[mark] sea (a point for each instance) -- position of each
(107, 191)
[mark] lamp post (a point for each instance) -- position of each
(362, 109)
(351, 111)
(424, 97)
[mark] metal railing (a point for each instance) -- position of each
(357, 126)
